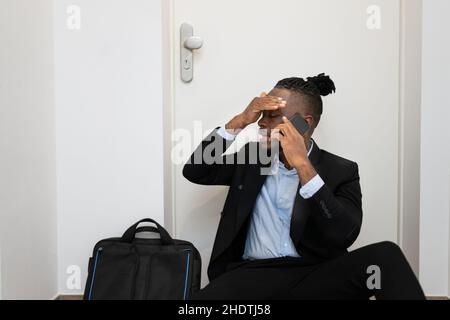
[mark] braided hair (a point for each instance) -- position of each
(312, 89)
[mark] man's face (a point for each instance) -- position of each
(271, 119)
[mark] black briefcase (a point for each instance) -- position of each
(130, 268)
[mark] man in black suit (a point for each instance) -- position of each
(285, 234)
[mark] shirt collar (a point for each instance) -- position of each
(311, 141)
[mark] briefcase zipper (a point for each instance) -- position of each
(185, 295)
(97, 255)
(133, 285)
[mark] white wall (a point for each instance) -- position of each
(27, 149)
(435, 166)
(109, 123)
(410, 102)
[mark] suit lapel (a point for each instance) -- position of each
(301, 210)
(252, 186)
(249, 190)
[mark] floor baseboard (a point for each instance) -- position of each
(75, 297)
(438, 298)
(69, 297)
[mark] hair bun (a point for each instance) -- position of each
(323, 83)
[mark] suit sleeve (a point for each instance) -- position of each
(340, 212)
(207, 165)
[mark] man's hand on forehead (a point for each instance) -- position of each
(263, 103)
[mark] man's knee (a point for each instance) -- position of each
(388, 246)
(387, 250)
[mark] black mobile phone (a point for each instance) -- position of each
(300, 124)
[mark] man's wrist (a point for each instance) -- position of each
(236, 124)
(305, 171)
(303, 164)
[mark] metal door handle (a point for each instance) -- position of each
(193, 43)
(188, 43)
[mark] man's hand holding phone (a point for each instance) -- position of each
(292, 143)
(295, 150)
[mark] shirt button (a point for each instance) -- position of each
(240, 187)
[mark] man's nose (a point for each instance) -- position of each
(262, 123)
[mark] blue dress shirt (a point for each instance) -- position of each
(268, 235)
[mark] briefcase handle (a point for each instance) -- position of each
(146, 229)
(130, 234)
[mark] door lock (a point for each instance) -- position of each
(188, 43)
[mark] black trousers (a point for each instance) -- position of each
(379, 270)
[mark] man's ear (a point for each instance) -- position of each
(310, 121)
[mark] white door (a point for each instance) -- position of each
(248, 46)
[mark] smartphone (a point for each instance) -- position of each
(300, 124)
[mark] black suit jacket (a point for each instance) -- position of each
(322, 227)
